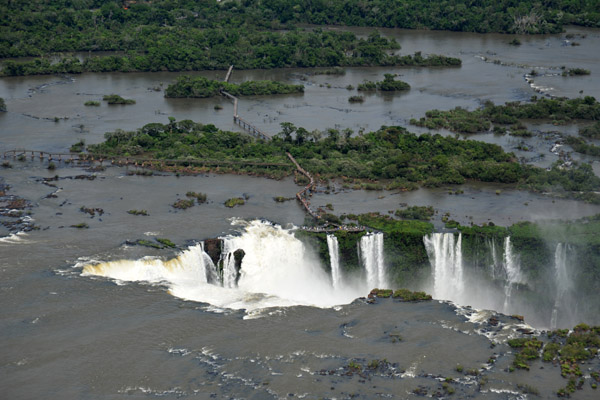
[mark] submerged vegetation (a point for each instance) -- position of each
(116, 99)
(480, 120)
(569, 349)
(234, 201)
(388, 84)
(198, 86)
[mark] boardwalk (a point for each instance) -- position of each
(303, 194)
(335, 228)
(244, 124)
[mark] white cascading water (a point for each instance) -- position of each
(371, 253)
(276, 270)
(512, 272)
(211, 270)
(229, 271)
(334, 257)
(193, 265)
(495, 262)
(445, 256)
(562, 279)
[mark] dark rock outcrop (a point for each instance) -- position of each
(213, 248)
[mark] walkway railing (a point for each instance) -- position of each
(247, 126)
(305, 193)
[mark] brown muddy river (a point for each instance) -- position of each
(87, 315)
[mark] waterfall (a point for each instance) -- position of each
(495, 262)
(445, 256)
(228, 259)
(193, 265)
(512, 272)
(209, 267)
(371, 255)
(562, 279)
(277, 271)
(334, 259)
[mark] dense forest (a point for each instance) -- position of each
(198, 86)
(35, 27)
(402, 159)
(197, 50)
(179, 35)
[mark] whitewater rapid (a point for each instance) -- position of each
(277, 270)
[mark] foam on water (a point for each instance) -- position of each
(15, 238)
(277, 271)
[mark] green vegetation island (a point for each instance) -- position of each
(177, 28)
(561, 110)
(198, 86)
(390, 157)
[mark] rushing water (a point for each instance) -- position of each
(334, 261)
(87, 315)
(371, 253)
(512, 272)
(277, 270)
(564, 284)
(445, 255)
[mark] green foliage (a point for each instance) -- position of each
(391, 153)
(198, 86)
(77, 147)
(82, 225)
(166, 242)
(183, 204)
(580, 146)
(92, 103)
(456, 120)
(529, 350)
(138, 212)
(235, 201)
(116, 99)
(550, 351)
(178, 33)
(407, 295)
(148, 243)
(592, 131)
(356, 99)
(2, 105)
(180, 36)
(423, 213)
(480, 120)
(388, 84)
(200, 197)
(383, 293)
(576, 72)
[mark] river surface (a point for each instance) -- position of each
(67, 332)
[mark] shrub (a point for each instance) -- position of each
(137, 212)
(235, 201)
(183, 204)
(116, 99)
(200, 197)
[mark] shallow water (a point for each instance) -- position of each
(68, 335)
